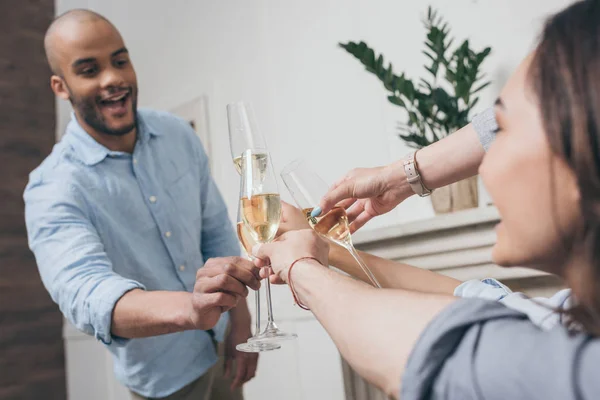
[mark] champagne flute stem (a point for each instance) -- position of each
(269, 304)
(257, 308)
(362, 264)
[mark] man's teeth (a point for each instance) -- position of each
(116, 99)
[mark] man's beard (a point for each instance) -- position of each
(88, 110)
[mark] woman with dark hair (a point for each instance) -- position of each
(543, 173)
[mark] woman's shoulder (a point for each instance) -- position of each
(544, 312)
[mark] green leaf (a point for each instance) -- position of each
(397, 101)
(368, 58)
(432, 58)
(388, 80)
(481, 87)
(379, 65)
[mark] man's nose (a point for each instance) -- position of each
(112, 78)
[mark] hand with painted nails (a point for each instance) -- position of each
(366, 193)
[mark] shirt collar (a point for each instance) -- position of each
(90, 152)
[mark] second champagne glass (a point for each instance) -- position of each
(307, 188)
(261, 211)
(251, 346)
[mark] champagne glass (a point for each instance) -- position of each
(307, 188)
(261, 211)
(244, 135)
(246, 240)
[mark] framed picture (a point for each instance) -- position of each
(195, 112)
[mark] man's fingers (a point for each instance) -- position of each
(246, 275)
(251, 366)
(225, 283)
(225, 301)
(228, 365)
(240, 371)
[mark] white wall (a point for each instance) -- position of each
(312, 99)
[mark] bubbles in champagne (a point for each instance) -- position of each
(261, 214)
(333, 225)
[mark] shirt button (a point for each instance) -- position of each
(168, 233)
(135, 160)
(152, 199)
(182, 268)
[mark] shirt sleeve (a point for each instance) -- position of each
(218, 236)
(541, 311)
(477, 349)
(71, 259)
(485, 125)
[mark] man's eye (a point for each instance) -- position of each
(88, 71)
(121, 63)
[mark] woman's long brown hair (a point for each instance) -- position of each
(565, 76)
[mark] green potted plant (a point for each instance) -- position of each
(437, 106)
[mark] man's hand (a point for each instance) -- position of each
(367, 193)
(220, 284)
(245, 363)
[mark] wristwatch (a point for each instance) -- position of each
(413, 177)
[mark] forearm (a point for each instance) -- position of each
(142, 314)
(374, 329)
(391, 274)
(450, 160)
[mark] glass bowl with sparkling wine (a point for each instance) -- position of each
(307, 188)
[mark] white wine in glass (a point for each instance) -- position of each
(261, 212)
(333, 225)
(251, 346)
(244, 135)
(307, 188)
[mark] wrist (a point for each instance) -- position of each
(395, 179)
(240, 315)
(182, 320)
(299, 277)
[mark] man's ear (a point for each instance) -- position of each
(59, 87)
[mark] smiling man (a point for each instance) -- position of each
(131, 236)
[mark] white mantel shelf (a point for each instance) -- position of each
(457, 244)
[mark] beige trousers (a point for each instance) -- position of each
(210, 386)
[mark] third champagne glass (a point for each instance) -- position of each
(261, 212)
(307, 188)
(247, 242)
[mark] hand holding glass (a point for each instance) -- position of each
(307, 188)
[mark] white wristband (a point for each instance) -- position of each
(413, 177)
